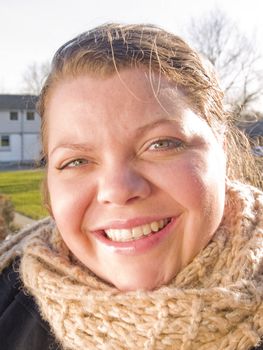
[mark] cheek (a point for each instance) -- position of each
(69, 200)
(193, 182)
(190, 187)
(184, 181)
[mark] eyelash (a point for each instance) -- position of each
(171, 144)
(70, 164)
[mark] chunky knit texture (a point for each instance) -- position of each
(215, 303)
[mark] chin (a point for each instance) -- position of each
(139, 284)
(130, 287)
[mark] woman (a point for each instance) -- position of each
(152, 245)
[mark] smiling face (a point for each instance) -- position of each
(136, 184)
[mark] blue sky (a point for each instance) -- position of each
(31, 30)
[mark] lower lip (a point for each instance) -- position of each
(138, 246)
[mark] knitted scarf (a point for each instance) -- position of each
(214, 303)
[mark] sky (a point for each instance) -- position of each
(32, 30)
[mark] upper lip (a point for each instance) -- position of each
(129, 223)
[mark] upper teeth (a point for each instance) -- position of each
(125, 235)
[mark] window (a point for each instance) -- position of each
(4, 141)
(13, 115)
(30, 115)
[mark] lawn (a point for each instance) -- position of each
(23, 187)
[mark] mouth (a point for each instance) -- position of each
(137, 232)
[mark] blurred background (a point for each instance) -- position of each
(228, 32)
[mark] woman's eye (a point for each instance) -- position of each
(165, 144)
(74, 163)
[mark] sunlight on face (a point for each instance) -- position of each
(136, 185)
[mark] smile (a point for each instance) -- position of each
(135, 233)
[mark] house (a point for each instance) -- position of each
(19, 129)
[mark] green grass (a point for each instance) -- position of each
(23, 187)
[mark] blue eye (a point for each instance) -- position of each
(165, 144)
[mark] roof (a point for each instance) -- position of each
(18, 102)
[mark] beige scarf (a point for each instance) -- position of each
(214, 303)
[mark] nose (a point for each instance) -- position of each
(122, 185)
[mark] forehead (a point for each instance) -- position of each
(130, 86)
(89, 107)
(116, 103)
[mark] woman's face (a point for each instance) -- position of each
(136, 182)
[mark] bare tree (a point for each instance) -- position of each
(34, 76)
(234, 56)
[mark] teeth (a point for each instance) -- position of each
(125, 235)
(146, 229)
(137, 232)
(154, 226)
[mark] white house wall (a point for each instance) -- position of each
(20, 150)
(31, 147)
(10, 126)
(19, 125)
(13, 153)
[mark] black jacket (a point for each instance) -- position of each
(21, 326)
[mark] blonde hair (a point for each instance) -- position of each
(109, 48)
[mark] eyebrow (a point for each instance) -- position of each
(73, 146)
(143, 129)
(83, 147)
